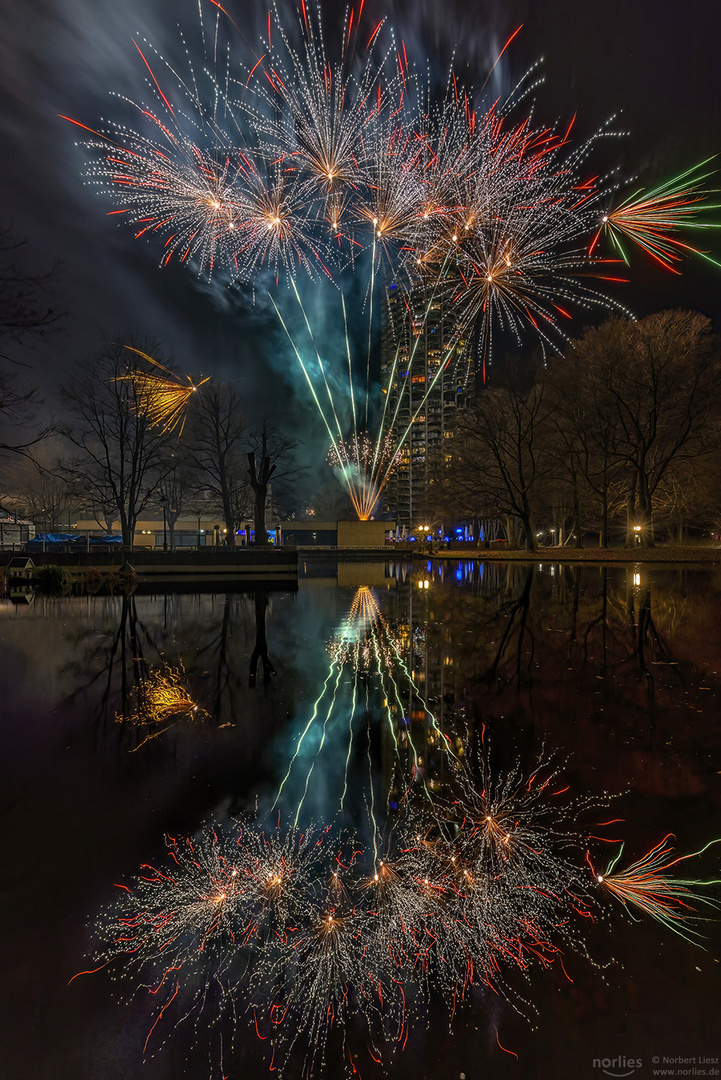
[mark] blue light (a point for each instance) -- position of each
(394, 286)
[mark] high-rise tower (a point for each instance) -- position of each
(422, 399)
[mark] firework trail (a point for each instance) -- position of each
(364, 466)
(651, 219)
(160, 395)
(647, 887)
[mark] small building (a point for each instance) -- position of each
(152, 533)
(334, 534)
(20, 569)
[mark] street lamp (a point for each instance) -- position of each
(165, 524)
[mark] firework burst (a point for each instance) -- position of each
(160, 395)
(299, 161)
(364, 465)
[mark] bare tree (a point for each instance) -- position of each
(272, 456)
(585, 436)
(23, 315)
(23, 311)
(688, 496)
(331, 502)
(500, 461)
(119, 457)
(219, 435)
(660, 378)
(175, 488)
(39, 490)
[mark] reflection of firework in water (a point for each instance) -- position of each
(364, 466)
(163, 698)
(646, 886)
(308, 935)
(365, 640)
(161, 396)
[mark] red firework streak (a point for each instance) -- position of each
(646, 886)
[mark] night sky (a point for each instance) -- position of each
(656, 61)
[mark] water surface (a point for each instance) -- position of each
(614, 669)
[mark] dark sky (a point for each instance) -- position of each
(656, 61)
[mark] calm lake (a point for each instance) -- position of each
(377, 701)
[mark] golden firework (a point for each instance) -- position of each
(162, 396)
(163, 698)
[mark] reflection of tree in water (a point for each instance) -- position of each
(128, 676)
(114, 672)
(260, 651)
(223, 645)
(491, 627)
(595, 637)
(216, 661)
(150, 663)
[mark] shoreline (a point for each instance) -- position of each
(688, 554)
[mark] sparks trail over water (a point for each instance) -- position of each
(646, 886)
(298, 161)
(366, 667)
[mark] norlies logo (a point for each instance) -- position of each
(618, 1066)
